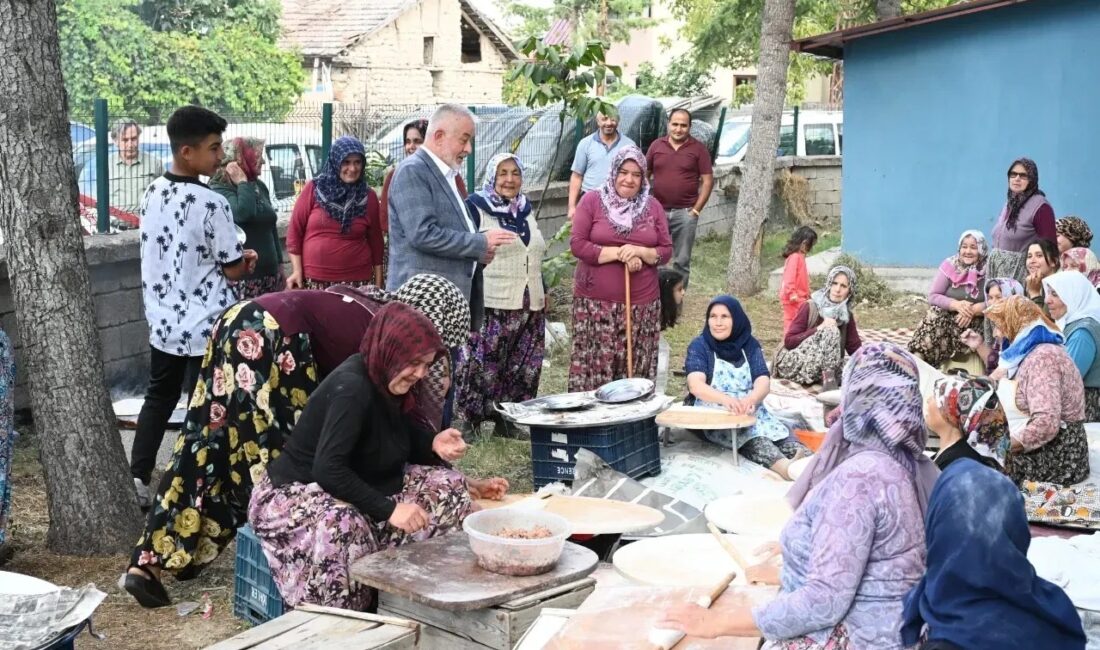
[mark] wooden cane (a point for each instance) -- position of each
(629, 329)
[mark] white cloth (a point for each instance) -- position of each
(187, 235)
(1080, 297)
(1017, 419)
(1072, 564)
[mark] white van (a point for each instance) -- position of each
(820, 133)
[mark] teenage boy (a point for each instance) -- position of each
(189, 249)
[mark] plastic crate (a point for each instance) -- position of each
(632, 448)
(256, 599)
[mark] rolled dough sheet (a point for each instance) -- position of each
(750, 514)
(588, 515)
(797, 467)
(684, 560)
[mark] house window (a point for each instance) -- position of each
(471, 43)
(820, 140)
(429, 50)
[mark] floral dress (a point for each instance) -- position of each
(251, 390)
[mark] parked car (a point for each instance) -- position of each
(820, 133)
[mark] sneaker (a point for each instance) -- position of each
(145, 500)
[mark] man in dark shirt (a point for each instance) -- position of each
(682, 179)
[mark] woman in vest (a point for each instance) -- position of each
(1075, 307)
(504, 359)
(823, 330)
(1026, 215)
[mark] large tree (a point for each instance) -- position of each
(93, 508)
(755, 197)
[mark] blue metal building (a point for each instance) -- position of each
(937, 105)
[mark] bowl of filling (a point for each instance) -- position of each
(516, 542)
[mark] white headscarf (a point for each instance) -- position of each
(1080, 297)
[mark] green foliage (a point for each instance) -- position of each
(870, 288)
(560, 266)
(204, 16)
(108, 52)
(585, 16)
(743, 94)
(683, 78)
(375, 168)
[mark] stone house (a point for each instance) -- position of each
(397, 51)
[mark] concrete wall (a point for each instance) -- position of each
(935, 114)
(389, 67)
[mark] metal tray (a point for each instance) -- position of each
(624, 390)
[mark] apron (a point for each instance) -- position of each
(737, 382)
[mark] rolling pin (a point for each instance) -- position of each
(665, 639)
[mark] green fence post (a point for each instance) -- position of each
(471, 160)
(326, 130)
(578, 133)
(102, 183)
(795, 130)
(718, 135)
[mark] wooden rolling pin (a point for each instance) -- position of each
(664, 639)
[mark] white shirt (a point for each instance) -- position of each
(187, 234)
(450, 173)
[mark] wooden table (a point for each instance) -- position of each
(442, 572)
(698, 417)
(297, 630)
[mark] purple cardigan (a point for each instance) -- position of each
(851, 552)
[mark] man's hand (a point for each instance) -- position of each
(250, 258)
(449, 445)
(498, 236)
(294, 281)
(488, 257)
(572, 211)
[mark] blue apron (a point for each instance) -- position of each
(737, 382)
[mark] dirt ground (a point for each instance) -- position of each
(130, 627)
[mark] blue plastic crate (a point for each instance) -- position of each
(632, 448)
(256, 599)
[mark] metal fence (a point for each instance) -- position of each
(111, 182)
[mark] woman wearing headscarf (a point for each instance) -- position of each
(238, 180)
(264, 359)
(855, 545)
(360, 475)
(823, 330)
(726, 369)
(980, 592)
(1026, 215)
(1085, 262)
(335, 236)
(1050, 443)
(503, 361)
(617, 229)
(1073, 232)
(996, 289)
(955, 300)
(955, 411)
(1075, 307)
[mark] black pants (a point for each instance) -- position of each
(169, 376)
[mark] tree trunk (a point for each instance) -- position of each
(92, 504)
(755, 198)
(885, 9)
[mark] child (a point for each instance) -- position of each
(671, 284)
(795, 288)
(189, 249)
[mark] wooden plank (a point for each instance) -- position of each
(522, 603)
(310, 631)
(257, 635)
(316, 634)
(698, 417)
(442, 572)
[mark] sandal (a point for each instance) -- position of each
(147, 590)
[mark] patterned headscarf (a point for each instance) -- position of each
(1025, 326)
(442, 302)
(396, 337)
(1084, 261)
(1008, 286)
(511, 213)
(961, 400)
(624, 214)
(961, 274)
(825, 305)
(342, 201)
(248, 153)
(1075, 230)
(881, 410)
(1017, 200)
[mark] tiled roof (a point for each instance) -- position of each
(327, 28)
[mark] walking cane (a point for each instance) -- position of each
(629, 329)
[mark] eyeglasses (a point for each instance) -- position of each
(1020, 175)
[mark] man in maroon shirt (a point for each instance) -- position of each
(682, 179)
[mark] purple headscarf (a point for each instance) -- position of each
(624, 214)
(882, 411)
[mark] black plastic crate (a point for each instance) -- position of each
(632, 448)
(256, 599)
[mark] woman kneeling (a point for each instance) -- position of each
(726, 369)
(359, 474)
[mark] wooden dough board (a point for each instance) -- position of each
(619, 618)
(442, 572)
(588, 515)
(684, 560)
(698, 417)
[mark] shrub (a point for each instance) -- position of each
(870, 288)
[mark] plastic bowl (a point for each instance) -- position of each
(515, 557)
(811, 439)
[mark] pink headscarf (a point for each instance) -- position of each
(624, 214)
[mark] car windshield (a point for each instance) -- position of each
(734, 138)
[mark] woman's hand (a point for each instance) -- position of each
(294, 281)
(1034, 285)
(977, 309)
(998, 374)
(235, 173)
(628, 252)
(693, 620)
(963, 318)
(409, 517)
(493, 489)
(449, 445)
(765, 573)
(634, 265)
(971, 339)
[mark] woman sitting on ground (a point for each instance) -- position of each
(1042, 262)
(1051, 446)
(855, 545)
(821, 333)
(726, 369)
(264, 359)
(955, 411)
(980, 592)
(996, 289)
(361, 473)
(1075, 307)
(956, 301)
